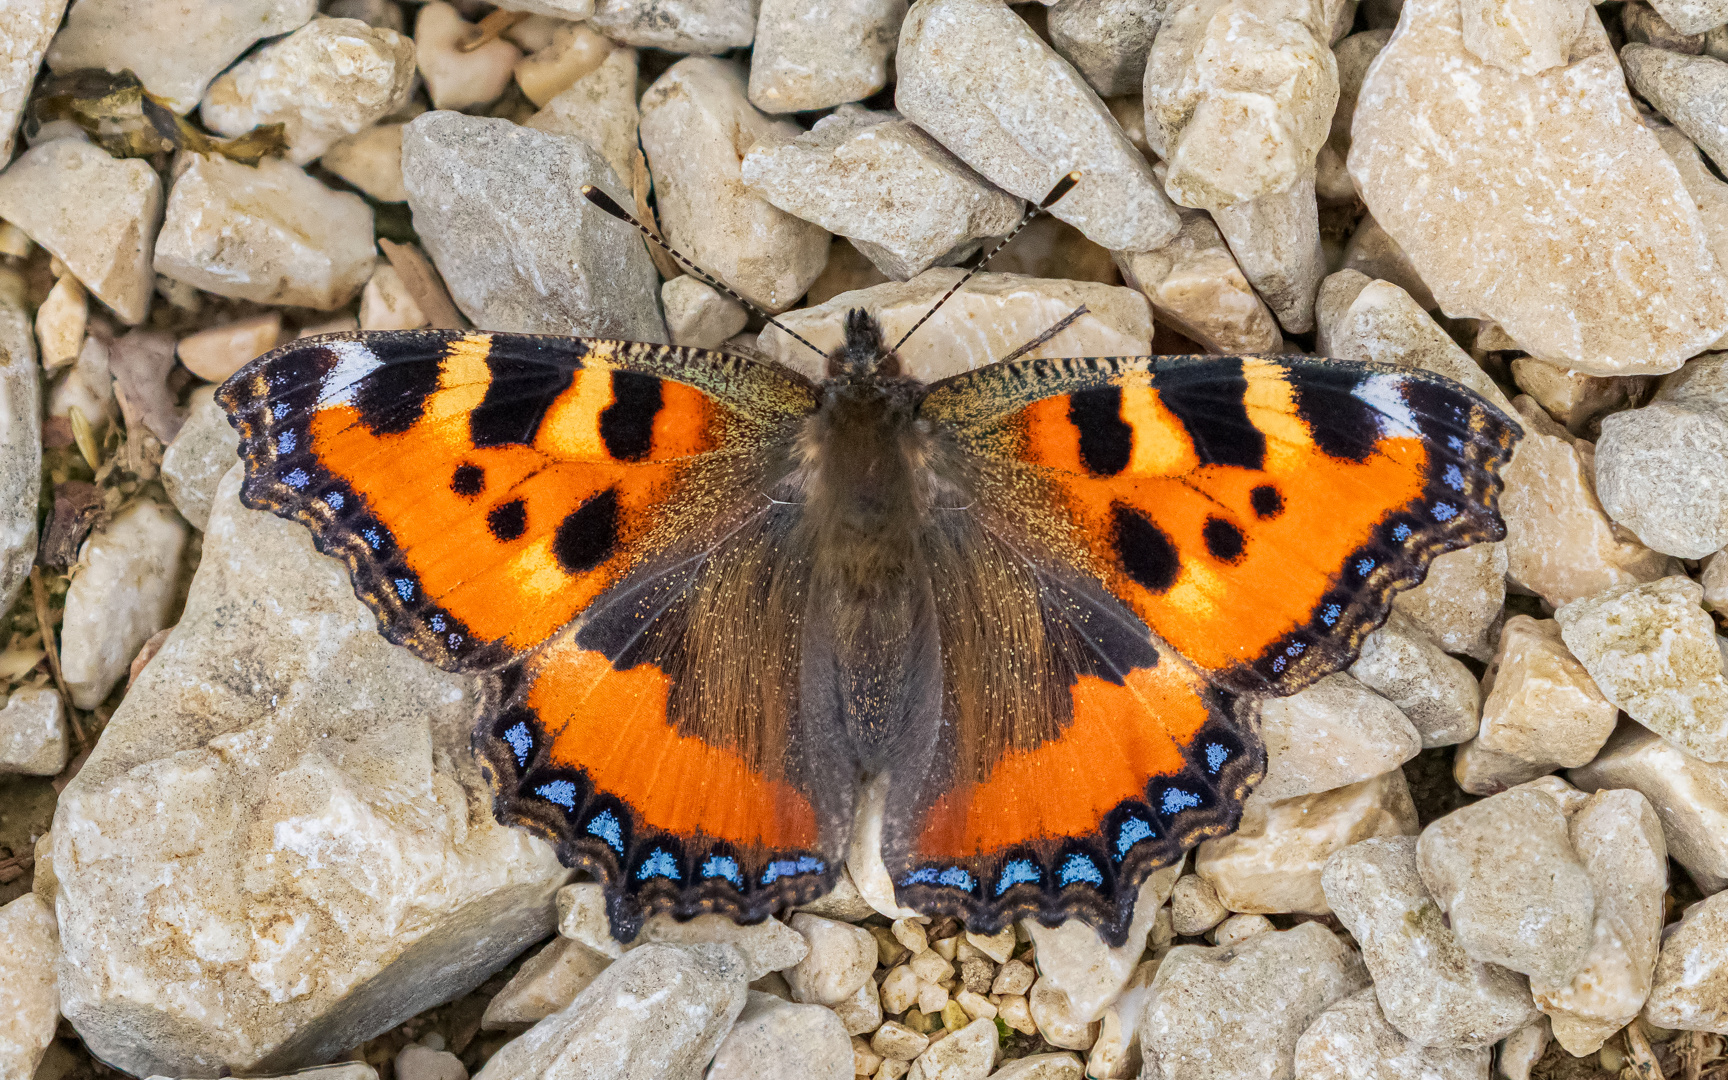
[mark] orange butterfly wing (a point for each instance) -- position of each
(1179, 531)
(543, 510)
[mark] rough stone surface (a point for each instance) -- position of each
(1196, 286)
(33, 732)
(1522, 1049)
(697, 126)
(1690, 988)
(371, 161)
(1513, 889)
(1619, 839)
(1076, 963)
(1276, 241)
(1107, 41)
(1691, 91)
(1460, 603)
(481, 188)
(1217, 1013)
(1662, 472)
(29, 1002)
(1334, 733)
(20, 450)
(977, 78)
(1239, 98)
(573, 52)
(1273, 861)
(879, 181)
(682, 26)
(96, 213)
(545, 983)
(195, 462)
(841, 957)
(659, 1013)
(335, 864)
(777, 1040)
(1351, 1040)
(29, 28)
(124, 593)
(965, 1054)
(1433, 690)
(600, 109)
(1541, 711)
(1526, 37)
(991, 317)
(811, 55)
(699, 315)
(1427, 986)
(270, 233)
(1595, 262)
(174, 48)
(1372, 252)
(330, 78)
(1690, 798)
(1194, 906)
(219, 351)
(457, 79)
(1692, 16)
(1652, 651)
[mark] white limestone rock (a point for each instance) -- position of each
(1619, 839)
(839, 960)
(124, 592)
(1690, 988)
(778, 1040)
(975, 76)
(457, 79)
(1434, 690)
(697, 126)
(984, 322)
(174, 48)
(1196, 286)
(29, 1001)
(1690, 798)
(1274, 859)
(1089, 974)
(1107, 40)
(1491, 183)
(1691, 91)
(1194, 906)
(1352, 1040)
(23, 41)
(329, 79)
(270, 234)
(968, 1052)
(20, 450)
(281, 846)
(1462, 599)
(200, 455)
(1276, 241)
(600, 109)
(811, 55)
(1651, 649)
(1662, 472)
(699, 315)
(879, 181)
(33, 732)
(545, 983)
(371, 161)
(1526, 37)
(1428, 987)
(95, 213)
(1334, 733)
(500, 210)
(682, 26)
(659, 1013)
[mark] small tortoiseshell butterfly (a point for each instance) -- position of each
(709, 598)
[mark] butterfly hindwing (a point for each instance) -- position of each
(578, 519)
(1159, 535)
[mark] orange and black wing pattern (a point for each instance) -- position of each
(554, 513)
(1183, 530)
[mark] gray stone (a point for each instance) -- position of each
(659, 1013)
(1692, 16)
(500, 210)
(274, 852)
(1221, 1013)
(1194, 906)
(699, 315)
(29, 28)
(1690, 798)
(966, 1054)
(1690, 990)
(124, 591)
(29, 1003)
(1691, 91)
(1351, 1040)
(600, 109)
(1461, 602)
(20, 450)
(815, 55)
(1513, 890)
(96, 213)
(1334, 733)
(1107, 40)
(174, 48)
(697, 126)
(1662, 472)
(195, 462)
(879, 181)
(1086, 971)
(1196, 286)
(544, 984)
(1434, 690)
(1427, 986)
(33, 732)
(686, 26)
(417, 1062)
(1652, 651)
(1603, 266)
(777, 1040)
(975, 76)
(1276, 240)
(839, 959)
(769, 945)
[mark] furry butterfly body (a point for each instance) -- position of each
(714, 604)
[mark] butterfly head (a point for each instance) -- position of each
(865, 355)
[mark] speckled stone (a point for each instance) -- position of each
(1690, 987)
(1352, 1040)
(1690, 798)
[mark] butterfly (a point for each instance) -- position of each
(709, 599)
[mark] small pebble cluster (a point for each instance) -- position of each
(241, 833)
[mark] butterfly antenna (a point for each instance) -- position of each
(604, 201)
(1063, 187)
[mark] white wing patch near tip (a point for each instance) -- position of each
(1386, 394)
(354, 361)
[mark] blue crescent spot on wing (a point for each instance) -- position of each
(1078, 867)
(1132, 832)
(1445, 511)
(1216, 756)
(560, 792)
(956, 878)
(780, 868)
(658, 864)
(1016, 872)
(521, 741)
(605, 826)
(723, 866)
(1175, 799)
